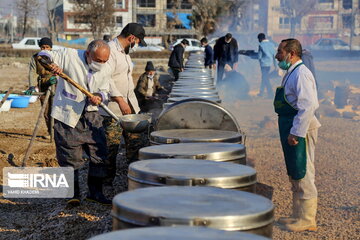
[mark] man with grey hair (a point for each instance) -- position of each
(78, 125)
(295, 103)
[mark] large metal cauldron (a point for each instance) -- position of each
(212, 207)
(219, 152)
(205, 95)
(194, 135)
(177, 233)
(196, 114)
(188, 172)
(194, 88)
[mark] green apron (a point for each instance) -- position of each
(295, 156)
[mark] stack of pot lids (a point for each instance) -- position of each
(220, 152)
(194, 135)
(211, 98)
(189, 172)
(212, 207)
(177, 233)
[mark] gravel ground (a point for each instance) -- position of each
(337, 178)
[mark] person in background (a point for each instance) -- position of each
(107, 38)
(266, 56)
(123, 99)
(40, 80)
(78, 125)
(147, 87)
(295, 103)
(209, 54)
(225, 53)
(176, 60)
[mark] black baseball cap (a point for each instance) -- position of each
(137, 30)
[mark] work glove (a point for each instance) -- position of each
(52, 81)
(30, 91)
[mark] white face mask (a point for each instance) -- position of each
(96, 66)
(133, 48)
(150, 76)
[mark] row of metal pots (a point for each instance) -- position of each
(193, 182)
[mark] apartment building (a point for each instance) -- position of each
(329, 18)
(73, 26)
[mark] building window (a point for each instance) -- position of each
(346, 21)
(119, 4)
(321, 23)
(184, 4)
(347, 4)
(119, 21)
(147, 20)
(80, 20)
(283, 3)
(146, 3)
(284, 22)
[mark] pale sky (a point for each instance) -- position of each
(5, 8)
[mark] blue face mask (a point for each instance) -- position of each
(284, 65)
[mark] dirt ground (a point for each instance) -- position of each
(337, 164)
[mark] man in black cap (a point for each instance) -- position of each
(123, 99)
(176, 60)
(226, 54)
(40, 80)
(147, 87)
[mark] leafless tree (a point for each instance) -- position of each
(53, 28)
(206, 13)
(98, 14)
(26, 9)
(296, 10)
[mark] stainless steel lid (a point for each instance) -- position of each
(211, 98)
(177, 233)
(196, 114)
(194, 90)
(195, 206)
(206, 95)
(189, 172)
(219, 152)
(194, 135)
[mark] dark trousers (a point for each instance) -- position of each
(265, 82)
(220, 70)
(176, 73)
(89, 136)
(47, 112)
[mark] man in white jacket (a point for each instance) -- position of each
(295, 103)
(78, 124)
(123, 98)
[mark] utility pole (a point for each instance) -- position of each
(12, 26)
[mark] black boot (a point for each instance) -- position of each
(75, 200)
(95, 185)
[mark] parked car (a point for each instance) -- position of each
(151, 48)
(330, 44)
(194, 45)
(31, 43)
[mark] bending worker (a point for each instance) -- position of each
(78, 125)
(295, 103)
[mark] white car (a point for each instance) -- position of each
(151, 48)
(330, 44)
(195, 45)
(31, 43)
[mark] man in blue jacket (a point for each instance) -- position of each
(209, 54)
(266, 56)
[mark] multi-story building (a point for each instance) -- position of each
(75, 27)
(329, 18)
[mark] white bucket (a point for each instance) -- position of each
(6, 106)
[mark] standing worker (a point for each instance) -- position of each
(176, 60)
(123, 99)
(226, 54)
(209, 54)
(40, 80)
(266, 55)
(295, 103)
(78, 125)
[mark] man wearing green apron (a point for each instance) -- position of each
(295, 103)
